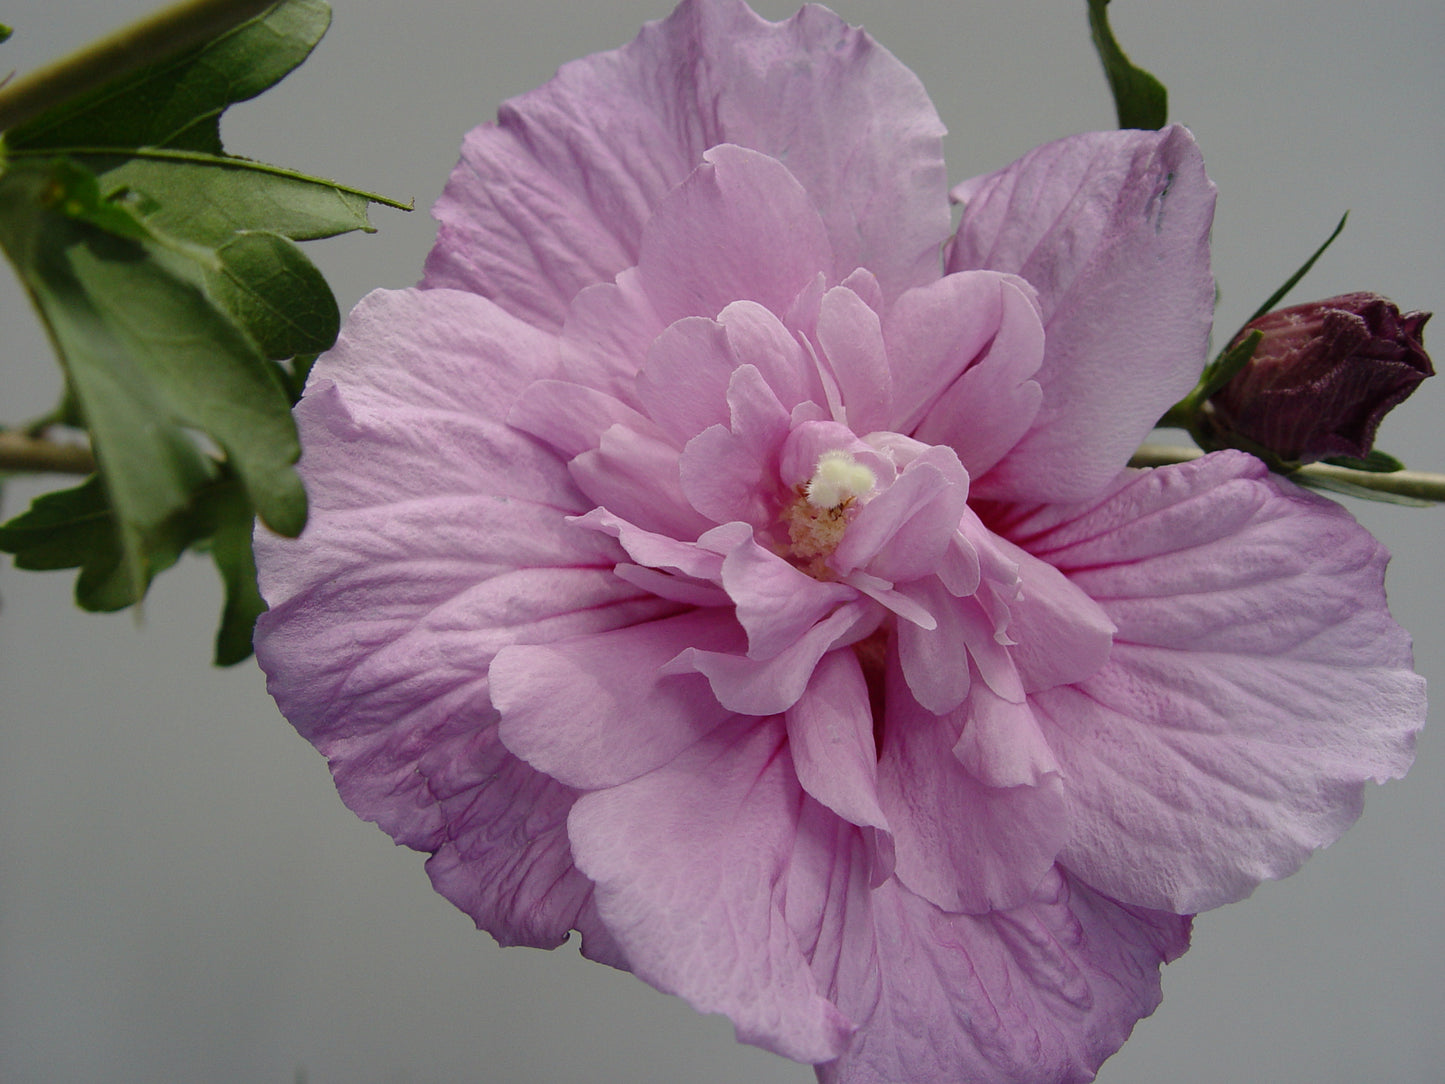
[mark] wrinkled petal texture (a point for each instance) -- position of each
(725, 883)
(1256, 680)
(1042, 992)
(703, 561)
(554, 197)
(1112, 230)
(416, 569)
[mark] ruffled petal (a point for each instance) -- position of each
(851, 339)
(776, 604)
(635, 475)
(691, 864)
(607, 334)
(830, 734)
(683, 385)
(771, 686)
(730, 473)
(555, 196)
(382, 666)
(1059, 634)
(595, 711)
(506, 861)
(853, 124)
(726, 478)
(597, 941)
(1255, 683)
(959, 843)
(903, 533)
(739, 228)
(1112, 230)
(417, 371)
(656, 550)
(414, 571)
(935, 661)
(571, 417)
(965, 350)
(1002, 744)
(758, 338)
(1041, 993)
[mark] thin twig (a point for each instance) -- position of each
(1162, 455)
(162, 34)
(22, 453)
(1416, 484)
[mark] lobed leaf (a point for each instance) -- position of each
(63, 529)
(230, 546)
(167, 276)
(148, 355)
(178, 102)
(77, 528)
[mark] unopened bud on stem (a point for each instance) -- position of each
(1322, 377)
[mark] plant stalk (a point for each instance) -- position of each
(1415, 484)
(160, 35)
(21, 453)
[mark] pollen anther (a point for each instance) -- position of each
(838, 478)
(821, 509)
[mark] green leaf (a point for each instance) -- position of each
(1377, 462)
(1350, 489)
(1225, 367)
(206, 198)
(178, 102)
(76, 528)
(1139, 99)
(1289, 283)
(61, 529)
(165, 273)
(75, 193)
(276, 294)
(230, 547)
(149, 355)
(270, 289)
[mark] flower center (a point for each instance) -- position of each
(820, 509)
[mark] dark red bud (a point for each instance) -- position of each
(1322, 378)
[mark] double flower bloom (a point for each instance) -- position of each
(694, 566)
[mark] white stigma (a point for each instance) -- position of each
(838, 478)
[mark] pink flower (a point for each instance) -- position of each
(696, 565)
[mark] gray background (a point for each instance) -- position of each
(182, 896)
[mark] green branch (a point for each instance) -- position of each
(162, 35)
(1410, 486)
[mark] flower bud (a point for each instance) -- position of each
(1321, 379)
